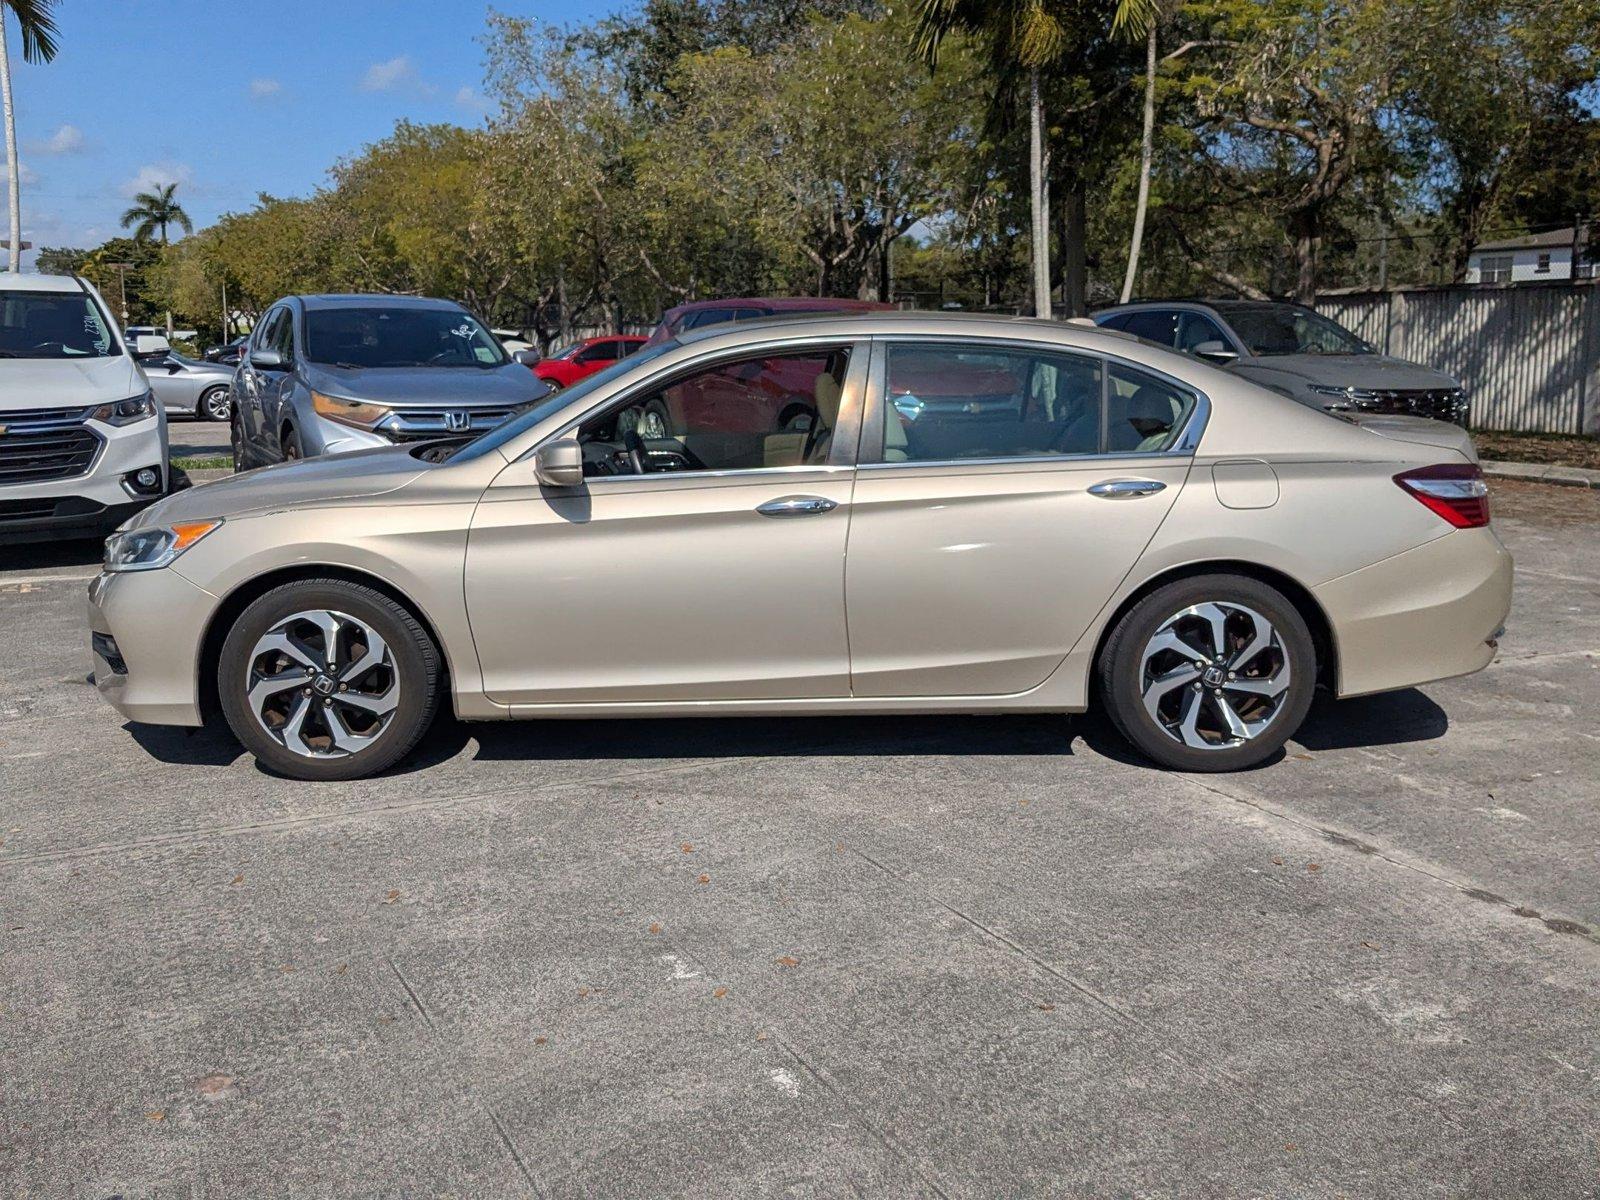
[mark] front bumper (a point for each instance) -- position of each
(145, 629)
(94, 503)
(1430, 613)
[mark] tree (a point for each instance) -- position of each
(1133, 18)
(1021, 37)
(38, 26)
(153, 211)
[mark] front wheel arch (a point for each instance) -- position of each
(236, 601)
(1323, 641)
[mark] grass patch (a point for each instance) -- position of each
(211, 462)
(1562, 449)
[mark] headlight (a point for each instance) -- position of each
(348, 412)
(1352, 397)
(148, 549)
(126, 412)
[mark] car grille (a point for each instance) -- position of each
(412, 424)
(1442, 404)
(32, 457)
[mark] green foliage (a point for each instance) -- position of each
(153, 212)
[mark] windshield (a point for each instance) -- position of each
(554, 403)
(53, 325)
(1272, 331)
(400, 337)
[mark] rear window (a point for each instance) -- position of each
(54, 325)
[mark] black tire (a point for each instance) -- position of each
(205, 408)
(1120, 672)
(236, 442)
(289, 443)
(417, 672)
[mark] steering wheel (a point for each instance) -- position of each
(638, 452)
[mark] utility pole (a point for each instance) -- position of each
(122, 270)
(225, 321)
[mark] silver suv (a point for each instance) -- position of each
(1294, 351)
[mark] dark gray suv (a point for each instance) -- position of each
(1296, 351)
(332, 374)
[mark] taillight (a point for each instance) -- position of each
(1456, 491)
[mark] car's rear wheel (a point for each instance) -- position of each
(1212, 673)
(236, 443)
(327, 679)
(214, 404)
(289, 440)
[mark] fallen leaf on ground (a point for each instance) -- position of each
(215, 1087)
(539, 1041)
(1313, 866)
(236, 879)
(1290, 1146)
(1047, 1008)
(655, 927)
(157, 1115)
(394, 894)
(285, 968)
(720, 992)
(1370, 945)
(687, 848)
(788, 960)
(1277, 862)
(704, 879)
(341, 968)
(762, 1036)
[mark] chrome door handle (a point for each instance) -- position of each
(797, 506)
(1113, 489)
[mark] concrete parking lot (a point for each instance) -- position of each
(936, 956)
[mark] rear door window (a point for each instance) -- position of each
(1143, 412)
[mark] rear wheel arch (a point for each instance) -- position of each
(1310, 610)
(235, 602)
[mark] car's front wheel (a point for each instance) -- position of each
(327, 679)
(1211, 673)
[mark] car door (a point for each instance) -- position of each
(168, 381)
(277, 385)
(251, 383)
(719, 576)
(984, 538)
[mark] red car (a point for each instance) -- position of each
(584, 358)
(775, 399)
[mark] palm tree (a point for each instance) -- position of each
(154, 211)
(38, 46)
(1025, 36)
(1139, 18)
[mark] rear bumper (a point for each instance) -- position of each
(1431, 613)
(145, 629)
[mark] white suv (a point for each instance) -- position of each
(83, 443)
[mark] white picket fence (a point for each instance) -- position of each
(1528, 354)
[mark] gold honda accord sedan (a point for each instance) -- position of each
(871, 513)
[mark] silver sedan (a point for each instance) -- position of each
(188, 386)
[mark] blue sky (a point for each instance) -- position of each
(231, 99)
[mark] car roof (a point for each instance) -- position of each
(868, 322)
(16, 282)
(1223, 306)
(322, 300)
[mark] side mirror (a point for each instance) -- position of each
(1215, 351)
(559, 464)
(526, 357)
(147, 344)
(267, 359)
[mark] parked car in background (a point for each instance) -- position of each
(185, 386)
(1160, 544)
(1294, 351)
(581, 359)
(133, 332)
(700, 314)
(83, 441)
(512, 340)
(331, 374)
(228, 353)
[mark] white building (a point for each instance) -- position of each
(1531, 258)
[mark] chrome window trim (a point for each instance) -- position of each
(1184, 446)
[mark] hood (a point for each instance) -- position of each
(1419, 430)
(429, 387)
(67, 382)
(357, 476)
(1376, 371)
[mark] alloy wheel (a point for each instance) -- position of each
(216, 404)
(322, 684)
(1215, 675)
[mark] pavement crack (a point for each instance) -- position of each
(1347, 841)
(411, 992)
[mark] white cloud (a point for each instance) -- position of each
(467, 97)
(154, 175)
(66, 140)
(264, 89)
(386, 76)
